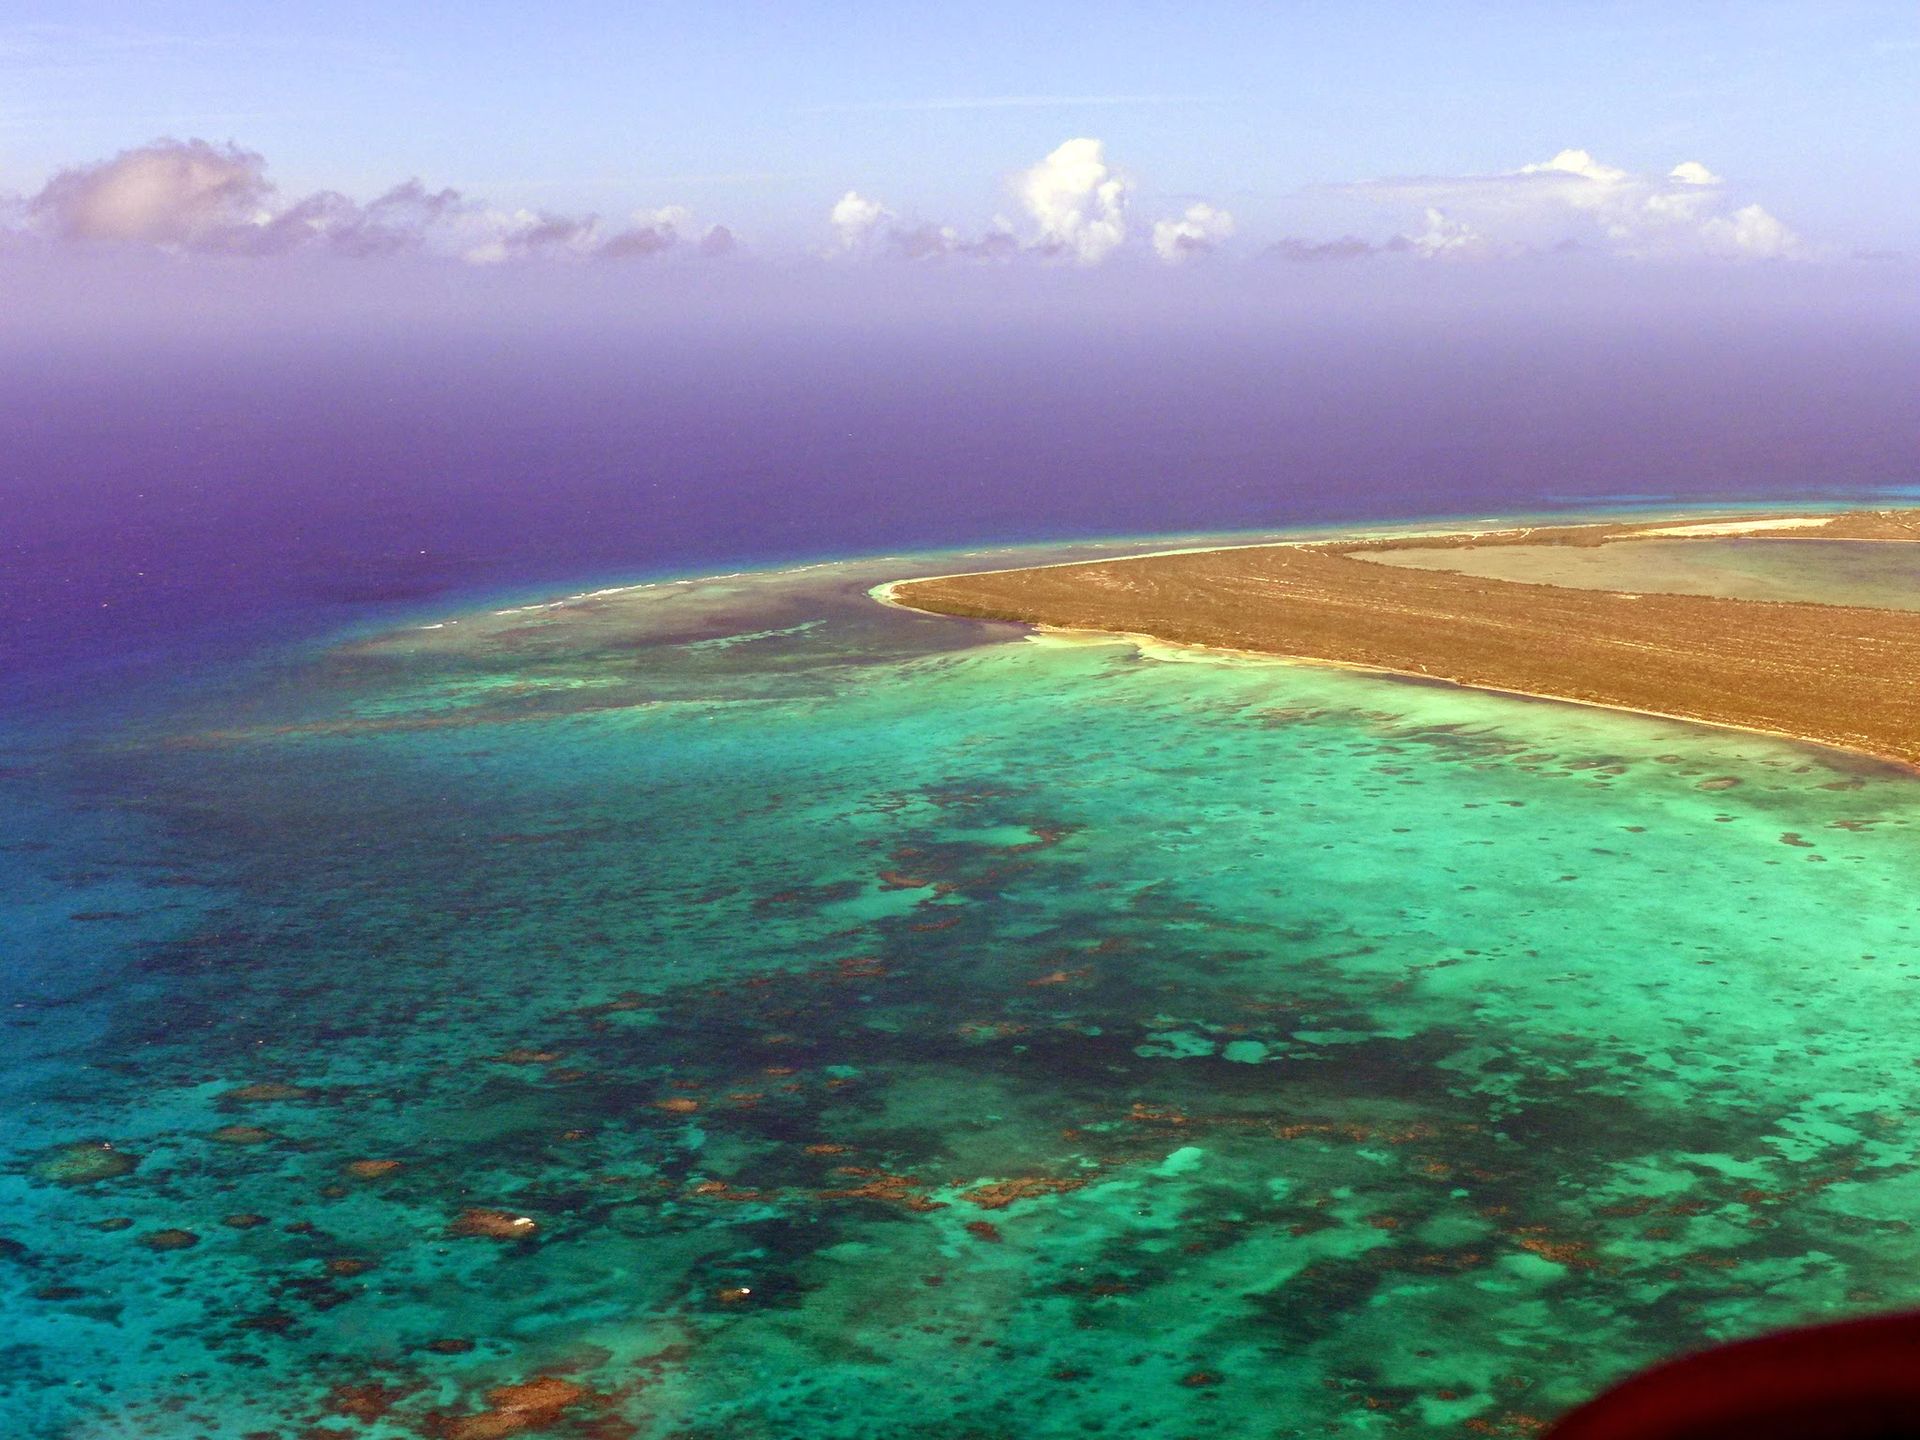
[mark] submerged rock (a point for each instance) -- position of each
(265, 1091)
(86, 1162)
(513, 1410)
(494, 1225)
(243, 1135)
(170, 1240)
(366, 1403)
(998, 1194)
(879, 1185)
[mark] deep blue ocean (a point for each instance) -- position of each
(179, 497)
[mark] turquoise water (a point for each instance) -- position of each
(760, 1013)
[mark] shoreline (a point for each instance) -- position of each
(993, 596)
(1143, 641)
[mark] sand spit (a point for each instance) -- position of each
(1836, 675)
(1736, 527)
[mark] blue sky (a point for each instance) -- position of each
(762, 115)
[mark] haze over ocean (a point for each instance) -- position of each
(207, 454)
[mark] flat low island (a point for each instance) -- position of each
(1840, 675)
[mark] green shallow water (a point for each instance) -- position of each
(898, 1027)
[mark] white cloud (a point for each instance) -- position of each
(1577, 162)
(1750, 231)
(190, 197)
(677, 218)
(1076, 207)
(1077, 202)
(183, 195)
(1692, 172)
(1199, 230)
(855, 220)
(866, 228)
(1444, 237)
(1575, 199)
(522, 234)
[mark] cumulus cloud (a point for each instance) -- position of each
(1576, 199)
(185, 194)
(1749, 230)
(1199, 230)
(1075, 207)
(394, 222)
(856, 220)
(192, 197)
(652, 231)
(868, 228)
(527, 234)
(1581, 163)
(641, 240)
(1443, 236)
(1077, 201)
(1692, 172)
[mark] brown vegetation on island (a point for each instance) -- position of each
(1838, 675)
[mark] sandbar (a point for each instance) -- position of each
(1842, 676)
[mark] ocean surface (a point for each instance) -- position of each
(732, 1007)
(721, 1005)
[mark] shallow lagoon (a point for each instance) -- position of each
(895, 1026)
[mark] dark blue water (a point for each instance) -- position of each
(171, 502)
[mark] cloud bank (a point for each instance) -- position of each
(191, 197)
(1195, 233)
(1074, 207)
(1574, 200)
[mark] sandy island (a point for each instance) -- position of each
(1842, 676)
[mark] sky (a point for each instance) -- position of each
(1072, 133)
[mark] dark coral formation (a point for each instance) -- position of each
(494, 1225)
(533, 1405)
(86, 1162)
